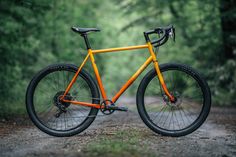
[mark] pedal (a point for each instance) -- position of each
(117, 108)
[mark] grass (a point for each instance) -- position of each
(123, 143)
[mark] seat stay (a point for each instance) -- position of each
(74, 77)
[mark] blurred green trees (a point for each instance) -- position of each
(34, 34)
(206, 38)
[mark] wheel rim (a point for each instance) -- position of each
(45, 108)
(184, 112)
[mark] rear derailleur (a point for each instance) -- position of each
(62, 106)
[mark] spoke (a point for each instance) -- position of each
(163, 112)
(194, 98)
(46, 110)
(44, 92)
(191, 114)
(65, 80)
(177, 119)
(187, 116)
(179, 109)
(64, 120)
(56, 122)
(52, 122)
(68, 79)
(50, 119)
(71, 119)
(55, 80)
(58, 81)
(44, 105)
(166, 119)
(48, 83)
(173, 80)
(158, 113)
(79, 84)
(170, 118)
(189, 93)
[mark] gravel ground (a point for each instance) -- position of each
(217, 136)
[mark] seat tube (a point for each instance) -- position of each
(97, 75)
(159, 74)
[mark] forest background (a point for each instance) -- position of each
(36, 33)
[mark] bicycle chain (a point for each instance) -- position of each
(104, 110)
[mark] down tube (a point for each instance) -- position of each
(132, 79)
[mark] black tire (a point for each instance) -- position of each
(149, 114)
(44, 81)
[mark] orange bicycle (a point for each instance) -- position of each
(172, 99)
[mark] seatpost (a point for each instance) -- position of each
(86, 40)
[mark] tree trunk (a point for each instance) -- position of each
(228, 24)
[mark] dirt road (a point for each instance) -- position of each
(123, 134)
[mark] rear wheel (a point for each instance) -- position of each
(51, 115)
(187, 113)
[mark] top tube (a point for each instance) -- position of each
(120, 49)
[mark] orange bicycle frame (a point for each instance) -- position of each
(91, 54)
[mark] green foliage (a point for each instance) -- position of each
(16, 50)
(34, 34)
(205, 33)
(224, 83)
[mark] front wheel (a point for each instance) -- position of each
(187, 113)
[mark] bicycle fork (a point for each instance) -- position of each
(160, 76)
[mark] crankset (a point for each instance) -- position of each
(111, 107)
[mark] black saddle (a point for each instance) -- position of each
(82, 31)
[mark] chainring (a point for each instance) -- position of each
(104, 109)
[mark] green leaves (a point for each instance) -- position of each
(35, 33)
(204, 37)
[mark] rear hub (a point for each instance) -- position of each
(60, 104)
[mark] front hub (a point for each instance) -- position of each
(176, 102)
(178, 98)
